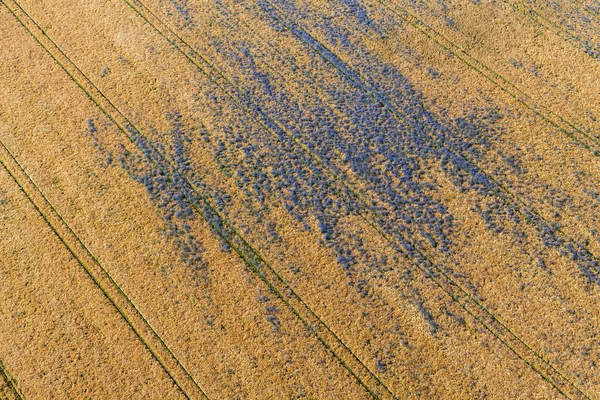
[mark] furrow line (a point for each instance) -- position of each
(536, 16)
(568, 128)
(111, 290)
(10, 382)
(128, 310)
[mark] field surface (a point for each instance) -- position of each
(299, 199)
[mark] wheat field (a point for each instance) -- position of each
(299, 199)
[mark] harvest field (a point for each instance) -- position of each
(299, 199)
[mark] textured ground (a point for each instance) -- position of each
(285, 199)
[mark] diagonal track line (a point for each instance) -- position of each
(251, 257)
(562, 124)
(12, 385)
(111, 290)
(558, 30)
(557, 377)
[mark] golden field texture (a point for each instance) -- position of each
(286, 199)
